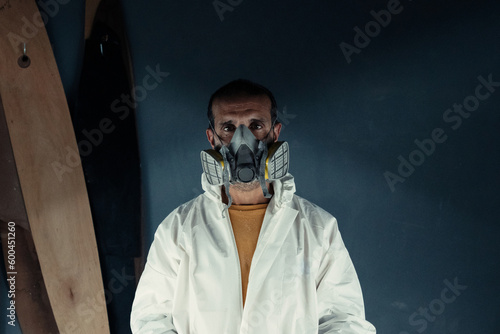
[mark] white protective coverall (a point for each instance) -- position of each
(301, 280)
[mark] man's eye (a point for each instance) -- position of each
(228, 128)
(256, 127)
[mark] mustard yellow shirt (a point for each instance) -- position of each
(246, 221)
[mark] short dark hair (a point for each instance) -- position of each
(242, 87)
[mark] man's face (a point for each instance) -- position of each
(252, 111)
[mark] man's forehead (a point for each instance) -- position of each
(238, 105)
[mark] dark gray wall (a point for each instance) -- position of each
(347, 124)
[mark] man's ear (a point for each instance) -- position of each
(277, 130)
(210, 137)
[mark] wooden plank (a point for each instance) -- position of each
(50, 172)
(30, 295)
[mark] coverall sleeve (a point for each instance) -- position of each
(153, 302)
(339, 296)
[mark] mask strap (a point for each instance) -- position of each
(262, 171)
(271, 129)
(262, 167)
(225, 172)
(225, 177)
(213, 129)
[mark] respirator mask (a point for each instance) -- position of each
(244, 160)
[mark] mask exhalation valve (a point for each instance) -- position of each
(246, 174)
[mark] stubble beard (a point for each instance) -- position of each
(246, 186)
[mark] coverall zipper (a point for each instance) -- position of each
(235, 247)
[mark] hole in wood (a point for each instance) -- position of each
(24, 61)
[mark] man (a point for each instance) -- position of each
(248, 255)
